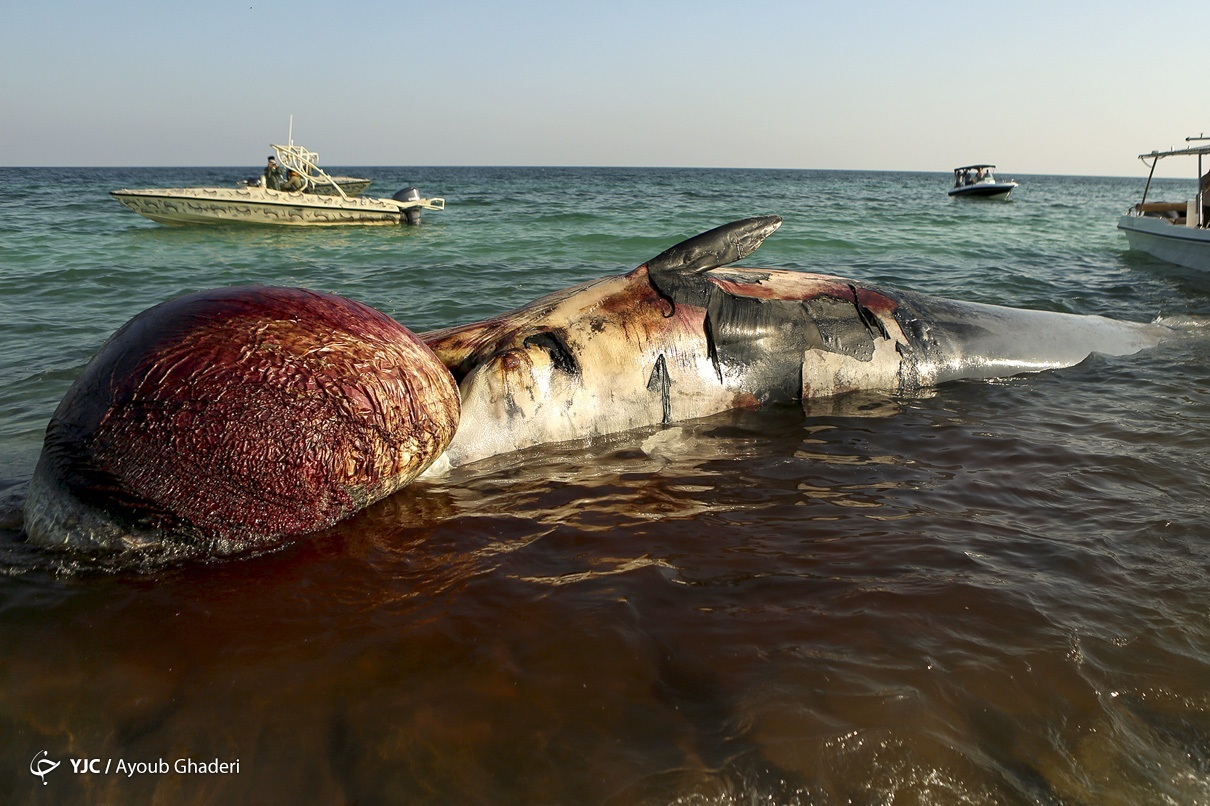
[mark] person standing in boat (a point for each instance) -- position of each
(273, 174)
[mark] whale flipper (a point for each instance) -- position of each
(716, 247)
(674, 269)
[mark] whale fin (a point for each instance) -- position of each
(674, 272)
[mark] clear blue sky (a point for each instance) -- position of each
(1036, 87)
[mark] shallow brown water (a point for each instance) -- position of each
(975, 597)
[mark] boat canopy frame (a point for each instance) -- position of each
(306, 162)
(1190, 151)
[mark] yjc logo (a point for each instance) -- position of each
(41, 767)
(86, 765)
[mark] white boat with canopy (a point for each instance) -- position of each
(980, 181)
(259, 205)
(1173, 231)
(318, 200)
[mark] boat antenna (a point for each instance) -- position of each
(290, 133)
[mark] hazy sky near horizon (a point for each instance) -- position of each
(1077, 87)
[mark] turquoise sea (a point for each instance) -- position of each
(997, 593)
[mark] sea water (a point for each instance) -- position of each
(993, 593)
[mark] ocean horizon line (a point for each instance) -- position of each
(486, 166)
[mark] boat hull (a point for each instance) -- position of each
(1173, 243)
(987, 190)
(185, 206)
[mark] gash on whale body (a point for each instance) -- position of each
(241, 416)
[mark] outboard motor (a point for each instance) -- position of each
(411, 215)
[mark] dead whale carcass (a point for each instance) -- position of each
(239, 416)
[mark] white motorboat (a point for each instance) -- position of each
(260, 205)
(1178, 231)
(980, 181)
(320, 200)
